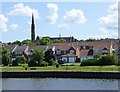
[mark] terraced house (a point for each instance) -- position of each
(68, 52)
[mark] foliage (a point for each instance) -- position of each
(27, 42)
(50, 57)
(52, 62)
(102, 60)
(91, 39)
(15, 62)
(90, 62)
(33, 63)
(17, 42)
(106, 60)
(44, 41)
(38, 55)
(5, 56)
(43, 63)
(59, 41)
(21, 59)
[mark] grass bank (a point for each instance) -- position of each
(109, 68)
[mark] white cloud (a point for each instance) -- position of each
(21, 9)
(64, 25)
(53, 10)
(3, 21)
(14, 26)
(110, 21)
(75, 15)
(103, 30)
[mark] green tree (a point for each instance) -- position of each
(50, 57)
(17, 42)
(56, 41)
(45, 41)
(5, 56)
(27, 42)
(62, 40)
(38, 55)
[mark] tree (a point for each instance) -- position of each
(56, 41)
(27, 42)
(50, 57)
(17, 42)
(5, 56)
(62, 40)
(37, 38)
(38, 55)
(59, 41)
(45, 41)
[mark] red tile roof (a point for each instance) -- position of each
(84, 52)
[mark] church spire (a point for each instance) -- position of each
(32, 29)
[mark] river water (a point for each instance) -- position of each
(59, 84)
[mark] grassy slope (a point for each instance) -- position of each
(61, 68)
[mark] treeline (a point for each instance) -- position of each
(47, 41)
(42, 41)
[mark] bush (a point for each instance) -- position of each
(15, 62)
(21, 59)
(43, 63)
(52, 62)
(33, 63)
(90, 62)
(106, 60)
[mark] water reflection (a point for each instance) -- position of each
(58, 84)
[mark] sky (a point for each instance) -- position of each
(82, 20)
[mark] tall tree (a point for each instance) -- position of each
(5, 56)
(50, 57)
(38, 55)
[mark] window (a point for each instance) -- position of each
(58, 51)
(65, 52)
(72, 52)
(105, 50)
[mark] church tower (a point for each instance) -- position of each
(32, 29)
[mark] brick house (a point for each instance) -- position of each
(90, 50)
(68, 52)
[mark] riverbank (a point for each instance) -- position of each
(61, 74)
(110, 68)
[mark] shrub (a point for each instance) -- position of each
(21, 59)
(33, 63)
(43, 63)
(90, 62)
(52, 62)
(106, 60)
(15, 62)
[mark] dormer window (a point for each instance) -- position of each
(105, 50)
